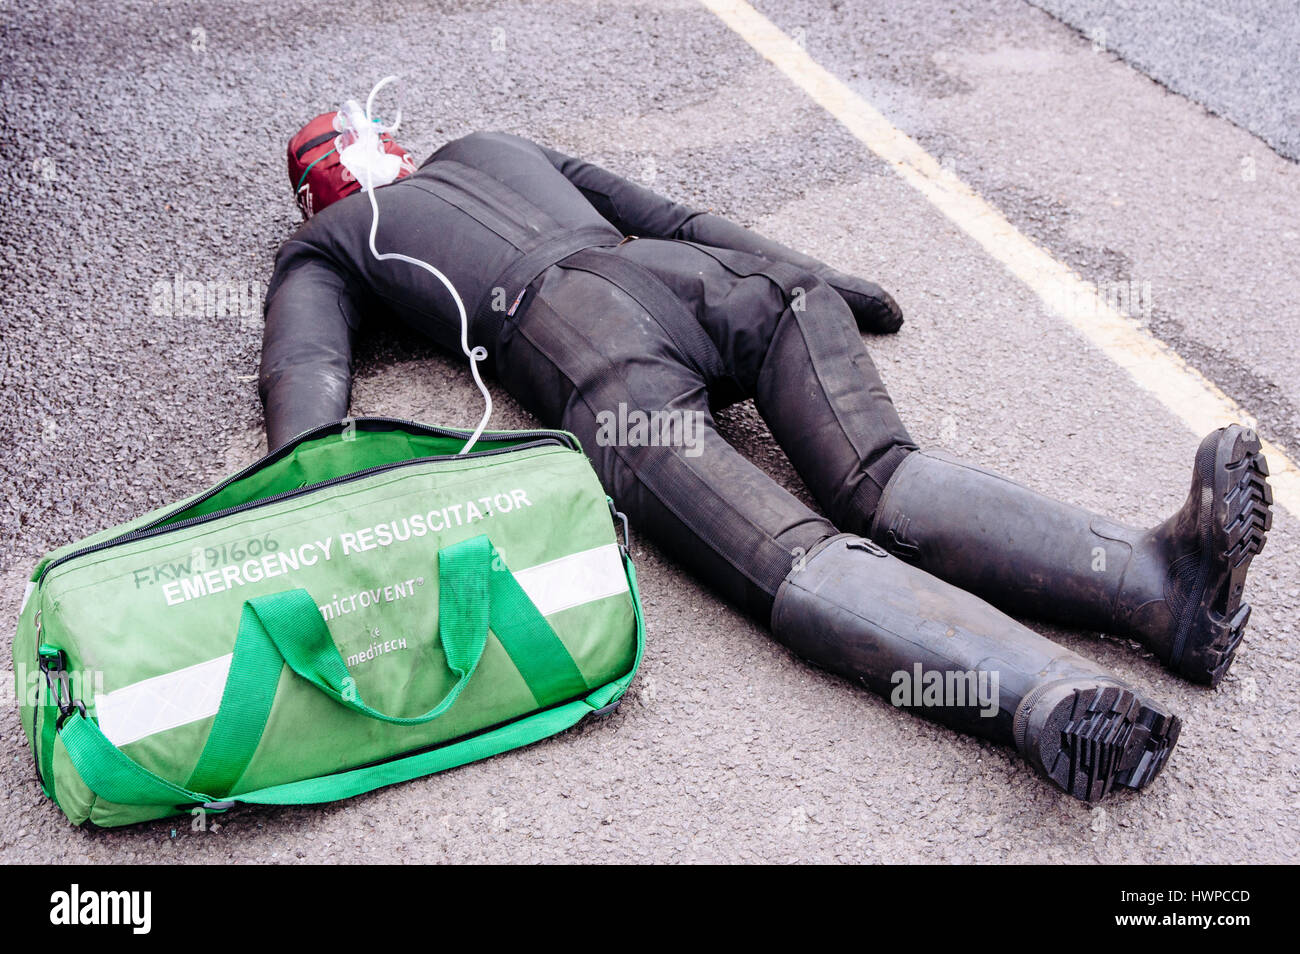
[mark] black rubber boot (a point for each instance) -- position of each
(947, 655)
(1176, 587)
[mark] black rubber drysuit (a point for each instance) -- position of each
(592, 294)
(695, 314)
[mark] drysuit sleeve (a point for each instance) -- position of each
(636, 210)
(312, 314)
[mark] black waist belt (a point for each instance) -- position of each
(663, 305)
(487, 320)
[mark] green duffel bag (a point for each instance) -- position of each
(361, 607)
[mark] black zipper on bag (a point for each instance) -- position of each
(534, 438)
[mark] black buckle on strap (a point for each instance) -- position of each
(53, 664)
(621, 518)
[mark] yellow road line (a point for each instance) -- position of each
(1187, 393)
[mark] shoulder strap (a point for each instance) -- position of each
(487, 321)
(662, 304)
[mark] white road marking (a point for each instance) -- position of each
(1157, 368)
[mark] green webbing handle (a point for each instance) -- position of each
(475, 590)
(293, 622)
(287, 627)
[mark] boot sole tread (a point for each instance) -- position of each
(1099, 737)
(1241, 517)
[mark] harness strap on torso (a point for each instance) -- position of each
(491, 311)
(661, 303)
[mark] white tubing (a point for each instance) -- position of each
(370, 102)
(474, 355)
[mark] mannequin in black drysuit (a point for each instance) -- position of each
(631, 299)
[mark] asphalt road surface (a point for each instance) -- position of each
(1237, 59)
(145, 141)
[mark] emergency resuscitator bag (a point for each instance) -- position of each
(361, 607)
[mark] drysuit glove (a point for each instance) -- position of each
(873, 308)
